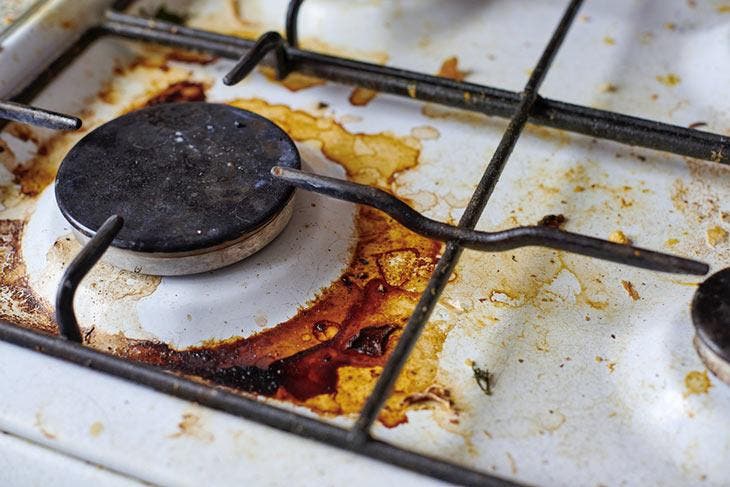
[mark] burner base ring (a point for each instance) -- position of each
(719, 367)
(198, 261)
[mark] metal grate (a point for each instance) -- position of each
(520, 108)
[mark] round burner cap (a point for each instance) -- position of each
(711, 317)
(188, 178)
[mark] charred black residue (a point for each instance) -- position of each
(552, 221)
(371, 340)
(483, 379)
(309, 372)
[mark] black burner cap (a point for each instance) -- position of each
(184, 176)
(711, 313)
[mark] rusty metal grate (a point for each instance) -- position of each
(520, 108)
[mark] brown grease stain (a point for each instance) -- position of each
(450, 69)
(293, 81)
(21, 305)
(630, 290)
(362, 96)
(696, 382)
(179, 92)
(191, 425)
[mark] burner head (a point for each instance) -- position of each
(711, 317)
(191, 180)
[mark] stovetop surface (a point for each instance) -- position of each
(594, 376)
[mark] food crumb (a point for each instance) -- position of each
(483, 379)
(619, 237)
(716, 235)
(671, 242)
(723, 9)
(669, 79)
(609, 40)
(631, 290)
(552, 221)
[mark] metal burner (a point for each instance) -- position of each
(711, 317)
(191, 181)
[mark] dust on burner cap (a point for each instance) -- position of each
(191, 180)
(711, 317)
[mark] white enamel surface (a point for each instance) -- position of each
(550, 420)
(135, 431)
(51, 29)
(24, 463)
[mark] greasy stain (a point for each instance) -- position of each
(619, 237)
(20, 304)
(40, 424)
(293, 81)
(191, 425)
(367, 158)
(450, 69)
(716, 235)
(669, 79)
(179, 92)
(630, 290)
(96, 428)
(362, 96)
(696, 382)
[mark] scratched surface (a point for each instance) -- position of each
(591, 364)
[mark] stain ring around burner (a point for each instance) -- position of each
(191, 180)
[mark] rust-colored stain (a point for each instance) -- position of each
(450, 69)
(178, 92)
(362, 96)
(22, 305)
(696, 382)
(42, 427)
(191, 425)
(191, 57)
(631, 290)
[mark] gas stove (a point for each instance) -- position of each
(177, 219)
